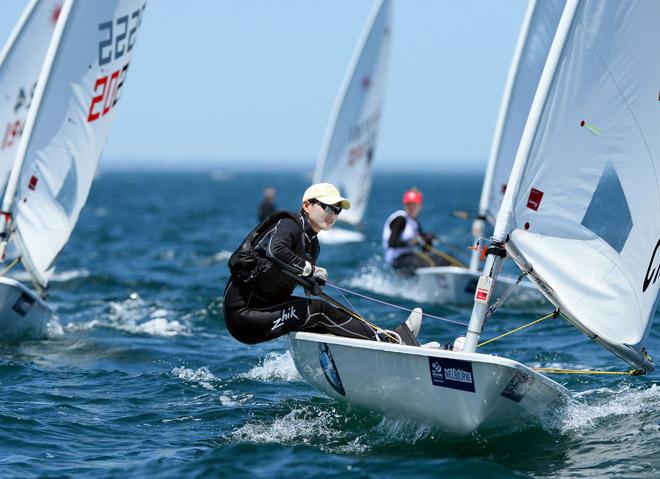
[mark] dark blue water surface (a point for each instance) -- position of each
(142, 379)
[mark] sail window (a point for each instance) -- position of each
(67, 194)
(608, 214)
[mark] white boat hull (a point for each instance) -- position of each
(454, 285)
(23, 314)
(457, 392)
(340, 236)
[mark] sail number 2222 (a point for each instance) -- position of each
(118, 39)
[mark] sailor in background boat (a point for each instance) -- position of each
(258, 302)
(267, 206)
(403, 235)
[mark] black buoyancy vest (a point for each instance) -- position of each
(246, 264)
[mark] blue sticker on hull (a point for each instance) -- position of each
(452, 373)
(329, 369)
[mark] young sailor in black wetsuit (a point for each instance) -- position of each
(259, 304)
(402, 233)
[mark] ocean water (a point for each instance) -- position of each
(140, 377)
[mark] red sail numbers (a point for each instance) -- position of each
(107, 93)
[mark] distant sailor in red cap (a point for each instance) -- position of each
(403, 233)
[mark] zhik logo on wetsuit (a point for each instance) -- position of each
(279, 322)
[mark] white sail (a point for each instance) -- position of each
(534, 41)
(67, 126)
(350, 141)
(20, 63)
(582, 209)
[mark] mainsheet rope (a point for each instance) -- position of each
(396, 306)
(10, 266)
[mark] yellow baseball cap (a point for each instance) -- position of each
(326, 193)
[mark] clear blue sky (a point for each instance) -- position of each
(244, 80)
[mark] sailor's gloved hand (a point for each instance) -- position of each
(320, 275)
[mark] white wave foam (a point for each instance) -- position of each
(129, 316)
(403, 429)
(54, 328)
(181, 419)
(373, 277)
(158, 327)
(274, 367)
(221, 256)
(134, 316)
(201, 376)
(610, 403)
(300, 425)
(61, 276)
(205, 378)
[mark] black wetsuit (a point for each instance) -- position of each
(407, 263)
(265, 308)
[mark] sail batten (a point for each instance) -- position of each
(349, 144)
(583, 203)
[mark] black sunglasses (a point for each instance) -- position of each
(329, 209)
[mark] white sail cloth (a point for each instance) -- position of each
(534, 43)
(20, 63)
(350, 141)
(67, 127)
(583, 202)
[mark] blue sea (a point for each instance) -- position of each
(140, 378)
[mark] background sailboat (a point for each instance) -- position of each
(349, 144)
(65, 131)
(455, 284)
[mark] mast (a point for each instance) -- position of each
(502, 227)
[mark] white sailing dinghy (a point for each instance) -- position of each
(456, 285)
(65, 130)
(349, 144)
(580, 215)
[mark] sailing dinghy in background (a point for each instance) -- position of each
(581, 216)
(454, 284)
(67, 124)
(349, 144)
(20, 64)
